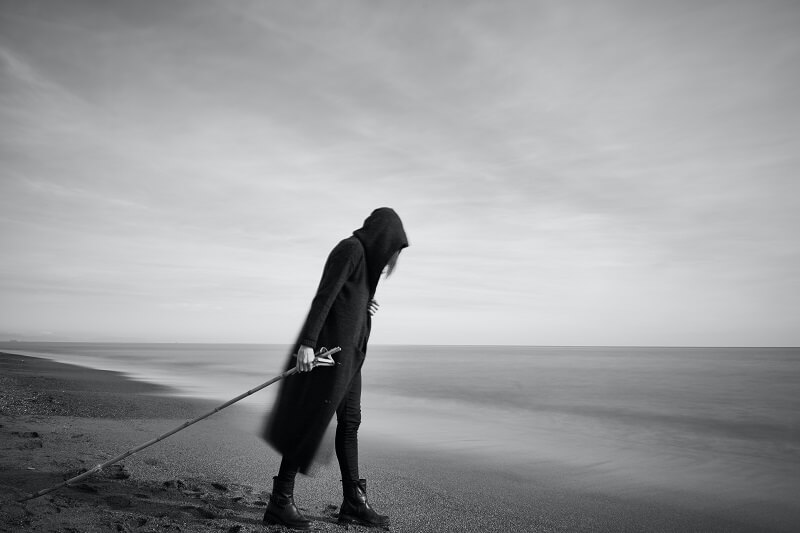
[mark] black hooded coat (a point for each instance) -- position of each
(338, 316)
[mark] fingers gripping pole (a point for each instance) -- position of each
(322, 358)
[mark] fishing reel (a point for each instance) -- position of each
(323, 357)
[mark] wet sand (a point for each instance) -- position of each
(216, 475)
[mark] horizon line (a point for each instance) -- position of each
(17, 341)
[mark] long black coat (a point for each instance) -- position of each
(338, 316)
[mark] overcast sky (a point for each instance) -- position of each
(569, 173)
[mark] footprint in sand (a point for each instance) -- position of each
(32, 440)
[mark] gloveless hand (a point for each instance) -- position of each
(305, 358)
(372, 308)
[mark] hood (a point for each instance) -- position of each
(381, 235)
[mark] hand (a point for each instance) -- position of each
(373, 307)
(305, 359)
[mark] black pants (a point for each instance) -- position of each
(348, 420)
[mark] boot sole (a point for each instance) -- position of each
(352, 520)
(274, 521)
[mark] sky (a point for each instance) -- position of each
(568, 173)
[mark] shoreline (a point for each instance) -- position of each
(57, 418)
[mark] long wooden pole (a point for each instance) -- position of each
(321, 359)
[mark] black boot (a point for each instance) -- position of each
(355, 507)
(282, 510)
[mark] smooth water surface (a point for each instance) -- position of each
(719, 422)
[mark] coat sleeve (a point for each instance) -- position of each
(338, 268)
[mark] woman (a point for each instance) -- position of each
(340, 315)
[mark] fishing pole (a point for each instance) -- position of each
(321, 358)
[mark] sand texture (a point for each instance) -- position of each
(58, 420)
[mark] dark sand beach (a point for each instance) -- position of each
(57, 419)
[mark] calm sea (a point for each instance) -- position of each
(721, 422)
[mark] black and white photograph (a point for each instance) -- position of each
(421, 267)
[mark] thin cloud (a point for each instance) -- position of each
(565, 175)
